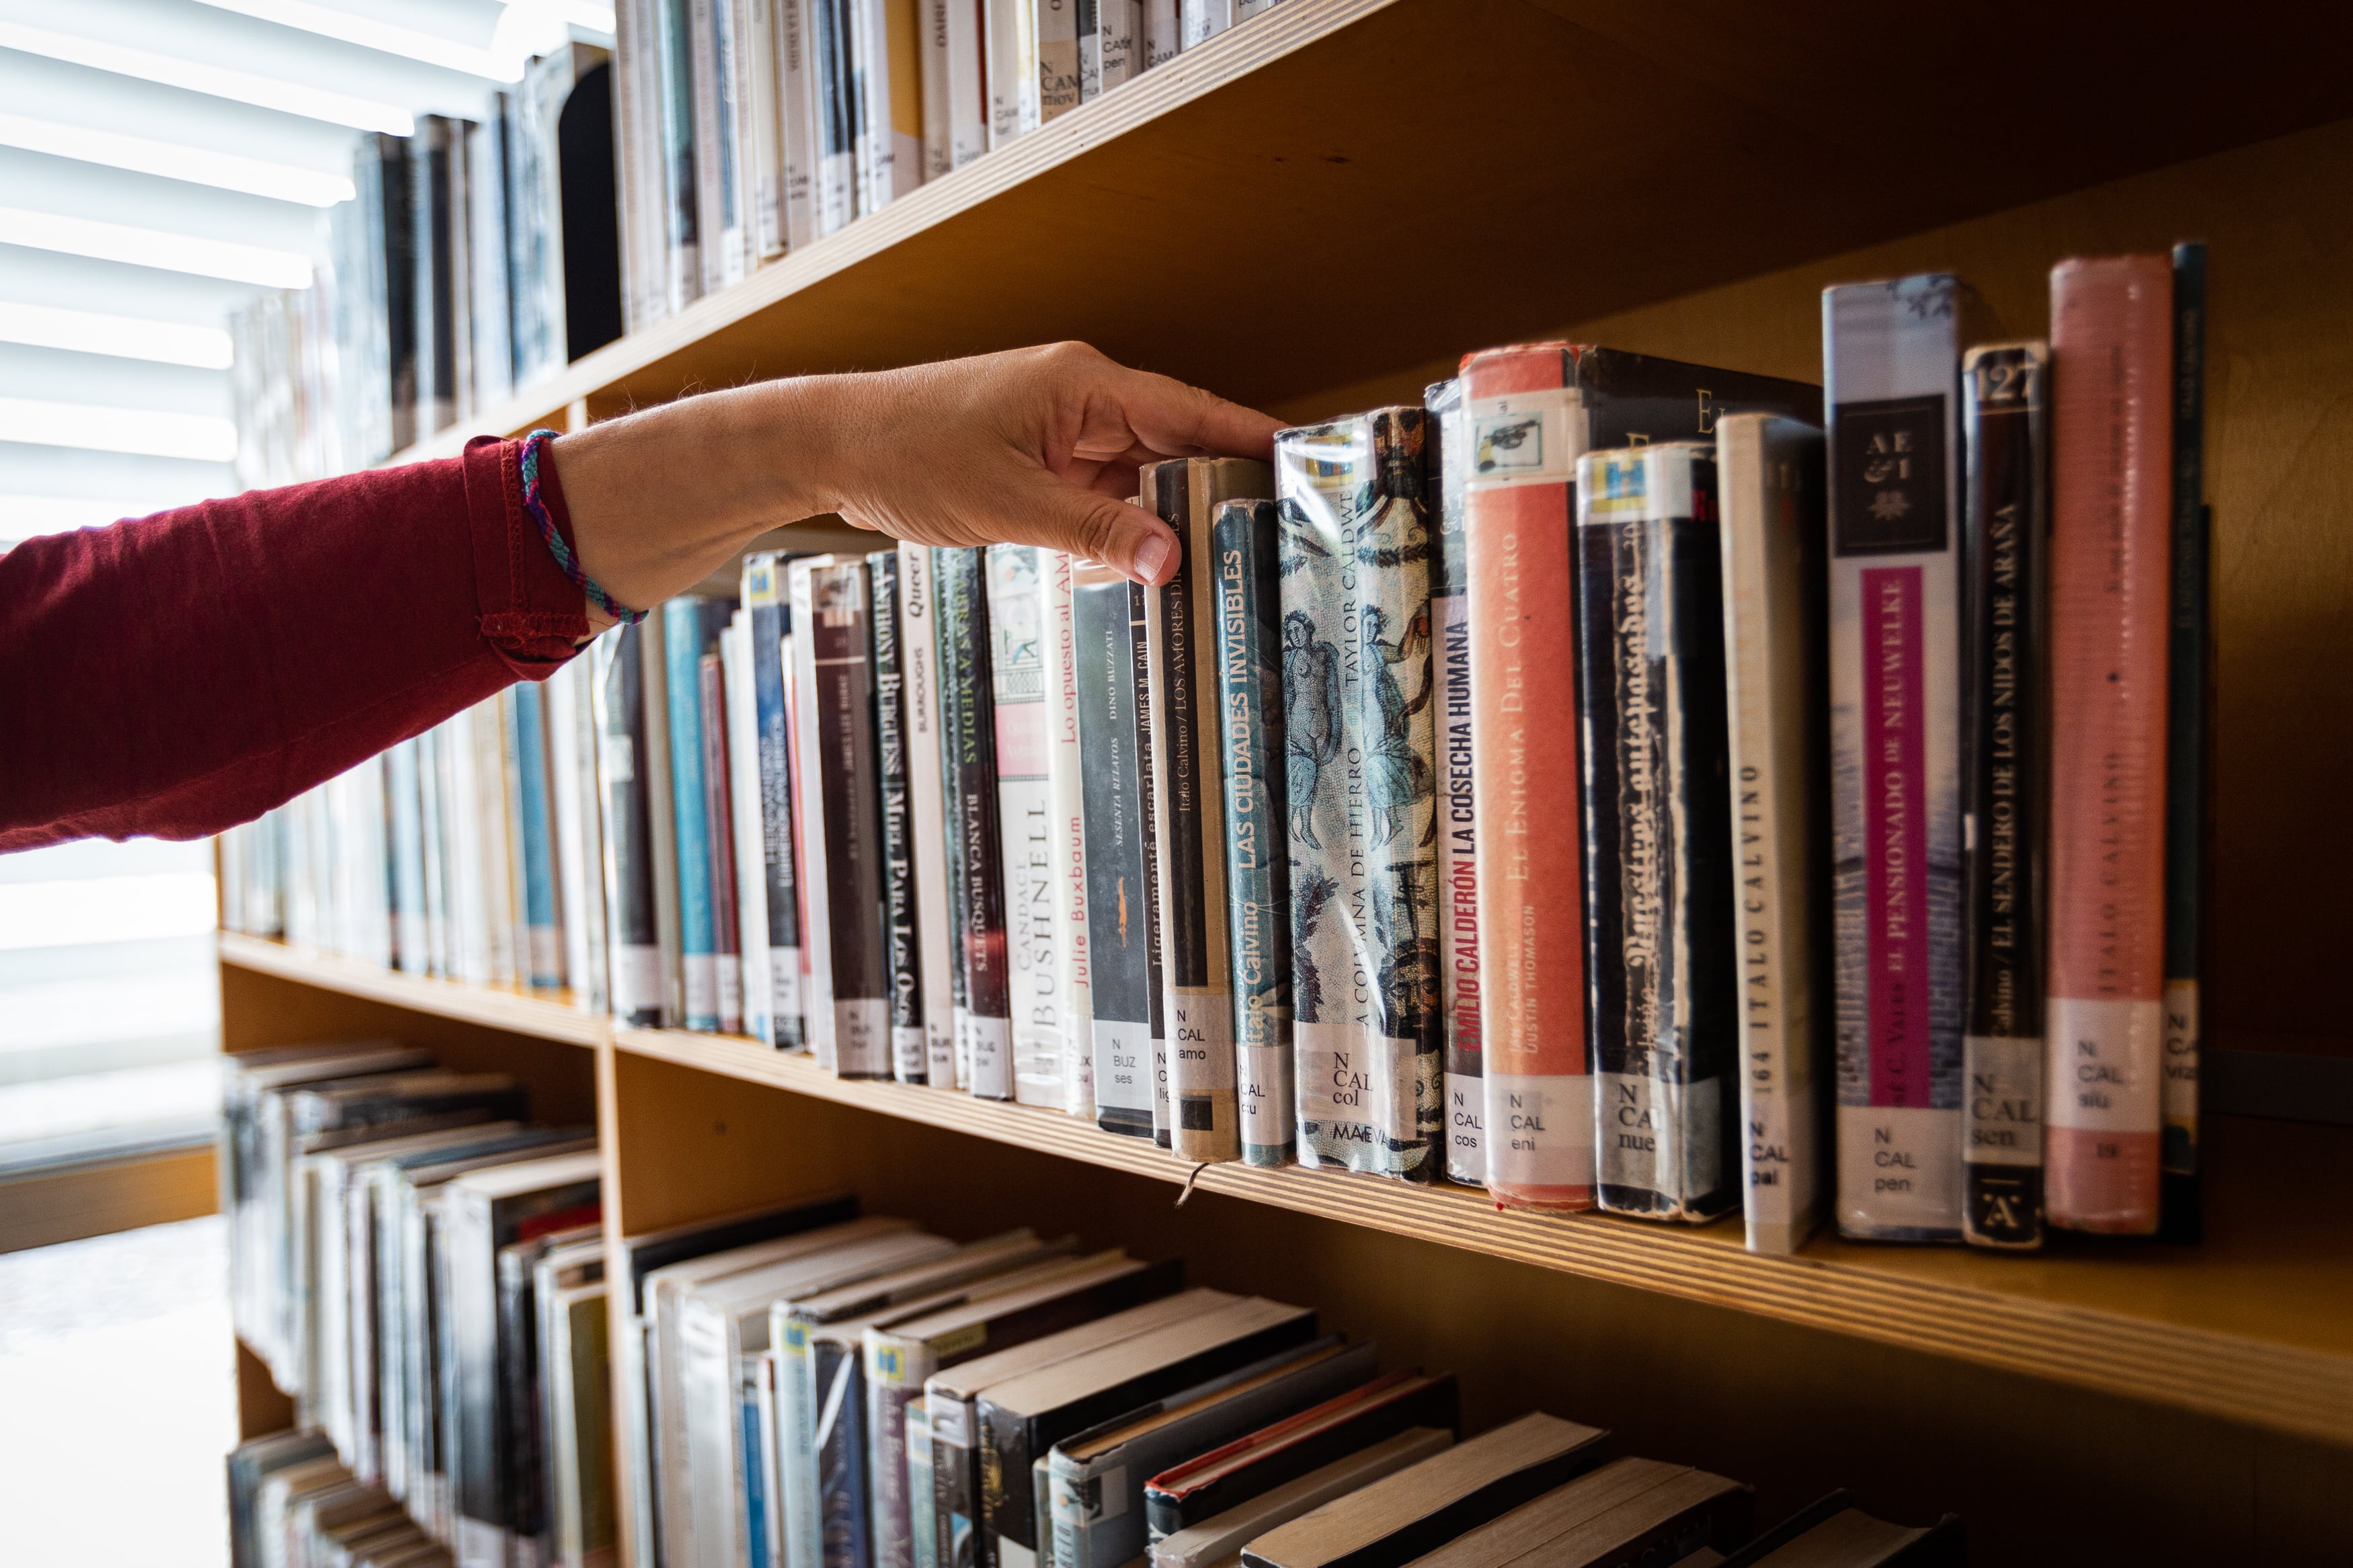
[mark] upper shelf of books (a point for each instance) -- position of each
(1330, 202)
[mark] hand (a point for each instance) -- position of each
(1032, 446)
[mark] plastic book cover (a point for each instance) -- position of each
(909, 1060)
(1067, 846)
(918, 662)
(763, 600)
(1025, 814)
(690, 808)
(1458, 825)
(969, 734)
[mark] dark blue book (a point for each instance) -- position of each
(1247, 544)
(763, 601)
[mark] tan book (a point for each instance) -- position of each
(1614, 1514)
(1417, 1511)
(1218, 1540)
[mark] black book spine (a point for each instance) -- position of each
(1655, 750)
(2004, 785)
(2187, 728)
(946, 632)
(843, 659)
(1107, 614)
(908, 1060)
(1447, 458)
(519, 1454)
(847, 1541)
(971, 775)
(1246, 541)
(629, 837)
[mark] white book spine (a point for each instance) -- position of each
(1891, 355)
(755, 54)
(750, 862)
(809, 824)
(1770, 496)
(877, 154)
(919, 653)
(1067, 850)
(1205, 19)
(1162, 33)
(707, 87)
(1057, 25)
(939, 131)
(833, 38)
(577, 885)
(967, 83)
(796, 123)
(1012, 69)
(1119, 43)
(1026, 820)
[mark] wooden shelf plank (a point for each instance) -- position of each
(547, 1014)
(2248, 1326)
(1343, 189)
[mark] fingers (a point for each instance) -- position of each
(1176, 420)
(1100, 528)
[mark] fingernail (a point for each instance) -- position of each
(1154, 556)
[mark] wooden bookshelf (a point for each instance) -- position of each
(1321, 210)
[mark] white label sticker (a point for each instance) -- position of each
(1267, 1094)
(1201, 1038)
(1899, 1169)
(1348, 1075)
(1658, 1135)
(2103, 1061)
(2002, 1120)
(2181, 1052)
(1123, 1058)
(1539, 1130)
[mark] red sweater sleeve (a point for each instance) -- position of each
(178, 674)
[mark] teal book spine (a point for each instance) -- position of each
(682, 638)
(1360, 789)
(1246, 543)
(545, 963)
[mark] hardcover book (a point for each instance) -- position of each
(1067, 846)
(909, 1058)
(1658, 844)
(1247, 542)
(1362, 789)
(919, 660)
(1892, 351)
(1775, 577)
(1628, 1510)
(1189, 807)
(764, 598)
(627, 871)
(968, 733)
(2003, 782)
(2111, 521)
(1533, 410)
(2187, 728)
(841, 834)
(1449, 463)
(1025, 815)
(1220, 1538)
(1122, 915)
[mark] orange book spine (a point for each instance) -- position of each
(1527, 427)
(2111, 346)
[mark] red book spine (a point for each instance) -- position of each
(2111, 347)
(1527, 429)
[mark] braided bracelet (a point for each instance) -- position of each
(534, 503)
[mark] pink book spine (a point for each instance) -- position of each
(2111, 345)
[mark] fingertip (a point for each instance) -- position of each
(1155, 560)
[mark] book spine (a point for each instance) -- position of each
(764, 598)
(952, 824)
(967, 84)
(1362, 788)
(869, 76)
(1458, 826)
(755, 34)
(1090, 30)
(1196, 979)
(494, 767)
(751, 1453)
(2004, 747)
(713, 158)
(1656, 815)
(842, 1484)
(1025, 811)
(2189, 652)
(895, 1373)
(683, 633)
(2111, 335)
(1526, 431)
(813, 846)
(922, 1512)
(1161, 33)
(1011, 45)
(1056, 22)
(1107, 615)
(1896, 846)
(1775, 581)
(403, 795)
(746, 818)
(1067, 846)
(719, 815)
(680, 151)
(567, 773)
(909, 1060)
(955, 1478)
(1247, 551)
(939, 133)
(985, 1024)
(798, 131)
(1205, 19)
(834, 84)
(850, 802)
(919, 659)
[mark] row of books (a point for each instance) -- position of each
(803, 1387)
(479, 258)
(745, 129)
(1485, 796)
(396, 1230)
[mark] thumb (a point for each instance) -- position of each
(1096, 527)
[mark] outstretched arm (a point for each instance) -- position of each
(184, 672)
